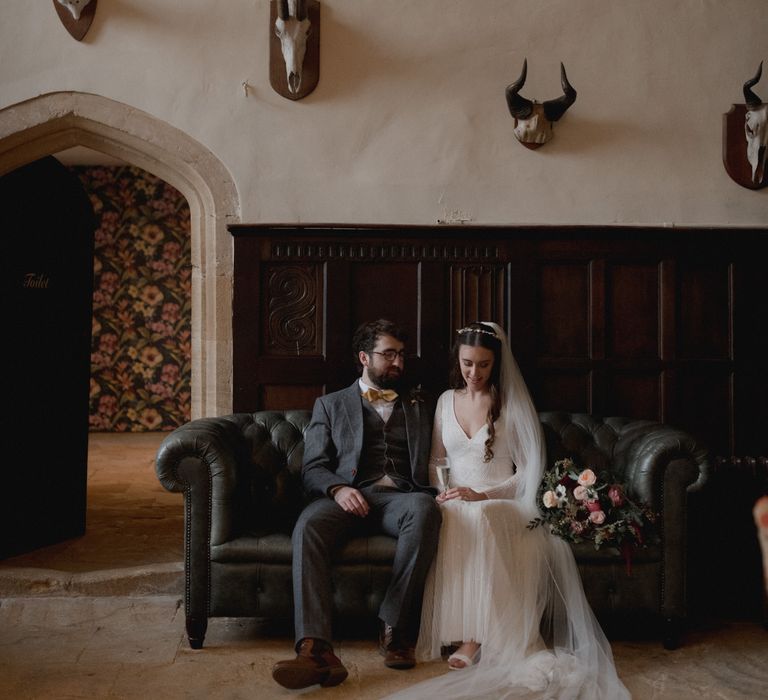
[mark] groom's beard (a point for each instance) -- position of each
(390, 378)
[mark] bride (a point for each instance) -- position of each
(510, 599)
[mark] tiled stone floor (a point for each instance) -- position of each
(102, 617)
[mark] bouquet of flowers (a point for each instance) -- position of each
(580, 507)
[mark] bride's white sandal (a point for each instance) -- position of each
(466, 660)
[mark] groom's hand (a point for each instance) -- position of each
(351, 500)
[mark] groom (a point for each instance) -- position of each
(365, 463)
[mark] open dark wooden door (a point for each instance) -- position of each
(46, 258)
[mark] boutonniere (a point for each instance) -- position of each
(416, 395)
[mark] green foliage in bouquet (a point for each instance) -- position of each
(580, 507)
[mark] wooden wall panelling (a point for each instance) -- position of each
(433, 345)
(632, 310)
(564, 331)
(704, 404)
(563, 390)
(246, 323)
(636, 394)
(705, 307)
(750, 353)
(564, 335)
(704, 376)
(645, 322)
(633, 333)
(477, 293)
(667, 341)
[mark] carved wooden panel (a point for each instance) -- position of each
(293, 310)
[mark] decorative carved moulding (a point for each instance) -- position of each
(381, 251)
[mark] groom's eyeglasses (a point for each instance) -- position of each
(390, 355)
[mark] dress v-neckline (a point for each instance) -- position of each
(456, 419)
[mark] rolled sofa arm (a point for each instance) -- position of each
(202, 459)
(657, 460)
(662, 465)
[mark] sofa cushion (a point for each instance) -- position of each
(276, 549)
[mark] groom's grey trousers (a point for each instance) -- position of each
(324, 527)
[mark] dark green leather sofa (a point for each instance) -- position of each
(240, 476)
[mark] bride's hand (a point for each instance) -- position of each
(463, 493)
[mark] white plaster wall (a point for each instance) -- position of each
(409, 123)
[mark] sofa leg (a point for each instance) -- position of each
(672, 630)
(196, 628)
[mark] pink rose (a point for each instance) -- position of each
(580, 493)
(616, 495)
(587, 478)
(549, 499)
(597, 517)
(593, 506)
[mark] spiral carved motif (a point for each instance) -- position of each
(292, 325)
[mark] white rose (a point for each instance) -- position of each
(550, 500)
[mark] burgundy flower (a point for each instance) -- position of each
(616, 494)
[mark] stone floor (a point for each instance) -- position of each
(102, 617)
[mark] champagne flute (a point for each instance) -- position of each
(443, 470)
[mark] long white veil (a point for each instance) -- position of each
(521, 422)
(542, 642)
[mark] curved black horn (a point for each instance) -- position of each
(554, 109)
(751, 99)
(519, 106)
(282, 9)
(301, 10)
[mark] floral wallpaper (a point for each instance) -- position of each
(141, 338)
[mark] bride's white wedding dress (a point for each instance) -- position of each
(514, 590)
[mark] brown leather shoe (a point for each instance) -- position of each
(397, 648)
(315, 663)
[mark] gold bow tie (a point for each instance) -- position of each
(375, 394)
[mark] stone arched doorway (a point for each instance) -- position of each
(56, 121)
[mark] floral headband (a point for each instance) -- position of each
(477, 330)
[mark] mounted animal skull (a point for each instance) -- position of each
(75, 7)
(756, 128)
(534, 121)
(292, 27)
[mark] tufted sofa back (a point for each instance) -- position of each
(268, 495)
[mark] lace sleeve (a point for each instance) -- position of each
(506, 488)
(438, 448)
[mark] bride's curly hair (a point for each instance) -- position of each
(478, 334)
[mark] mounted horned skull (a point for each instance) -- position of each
(74, 6)
(534, 121)
(756, 128)
(292, 28)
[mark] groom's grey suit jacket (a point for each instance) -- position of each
(333, 441)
